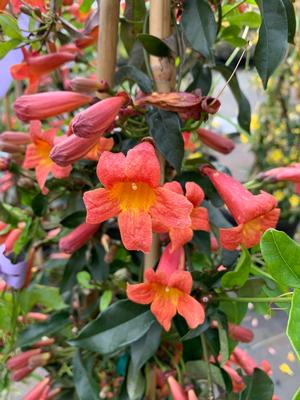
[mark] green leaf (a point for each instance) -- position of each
(223, 336)
(259, 386)
(202, 78)
(273, 34)
(153, 45)
(297, 395)
(86, 387)
(251, 19)
(282, 255)
(166, 131)
(8, 45)
(244, 116)
(198, 370)
(239, 276)
(10, 27)
(236, 41)
(131, 73)
(200, 27)
(25, 236)
(118, 326)
(293, 327)
(135, 383)
(74, 219)
(84, 279)
(75, 264)
(133, 24)
(98, 268)
(144, 348)
(45, 296)
(291, 17)
(35, 332)
(39, 204)
(86, 5)
(105, 300)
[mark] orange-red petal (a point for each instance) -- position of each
(174, 186)
(171, 261)
(180, 236)
(111, 168)
(99, 206)
(41, 174)
(191, 310)
(194, 193)
(60, 172)
(136, 230)
(181, 280)
(141, 293)
(199, 217)
(164, 310)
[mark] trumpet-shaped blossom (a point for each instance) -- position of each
(98, 118)
(177, 391)
(34, 67)
(40, 106)
(38, 156)
(219, 143)
(291, 173)
(77, 238)
(132, 192)
(253, 213)
(168, 291)
(199, 215)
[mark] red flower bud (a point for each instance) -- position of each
(49, 104)
(78, 237)
(21, 359)
(244, 360)
(19, 374)
(86, 85)
(220, 143)
(44, 343)
(240, 333)
(39, 360)
(15, 137)
(39, 391)
(177, 390)
(238, 384)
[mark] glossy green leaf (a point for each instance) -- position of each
(291, 17)
(273, 38)
(166, 131)
(74, 219)
(198, 370)
(118, 326)
(200, 27)
(39, 204)
(135, 383)
(144, 348)
(259, 386)
(153, 45)
(282, 256)
(86, 387)
(239, 276)
(131, 73)
(202, 78)
(293, 327)
(35, 332)
(75, 264)
(45, 296)
(10, 27)
(98, 268)
(244, 115)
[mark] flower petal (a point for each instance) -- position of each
(31, 157)
(164, 310)
(171, 261)
(194, 193)
(180, 236)
(99, 205)
(171, 209)
(136, 230)
(141, 293)
(191, 310)
(41, 173)
(111, 168)
(230, 238)
(159, 277)
(181, 280)
(60, 172)
(174, 186)
(199, 217)
(142, 165)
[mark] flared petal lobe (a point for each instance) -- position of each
(141, 293)
(136, 230)
(191, 310)
(100, 206)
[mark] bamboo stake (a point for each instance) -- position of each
(164, 76)
(7, 112)
(108, 40)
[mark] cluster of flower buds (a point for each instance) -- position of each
(42, 391)
(24, 363)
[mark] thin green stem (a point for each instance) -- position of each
(209, 375)
(255, 299)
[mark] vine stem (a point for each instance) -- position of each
(256, 299)
(209, 375)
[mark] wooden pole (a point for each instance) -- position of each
(108, 40)
(160, 25)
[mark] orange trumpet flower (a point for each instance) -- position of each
(38, 156)
(132, 192)
(254, 214)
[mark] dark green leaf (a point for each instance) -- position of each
(153, 45)
(118, 326)
(273, 38)
(259, 386)
(145, 347)
(244, 116)
(135, 383)
(282, 255)
(166, 131)
(131, 73)
(35, 332)
(74, 219)
(239, 276)
(39, 204)
(293, 327)
(291, 17)
(98, 268)
(86, 387)
(198, 370)
(202, 78)
(75, 264)
(133, 24)
(200, 27)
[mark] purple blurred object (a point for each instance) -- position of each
(13, 274)
(13, 57)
